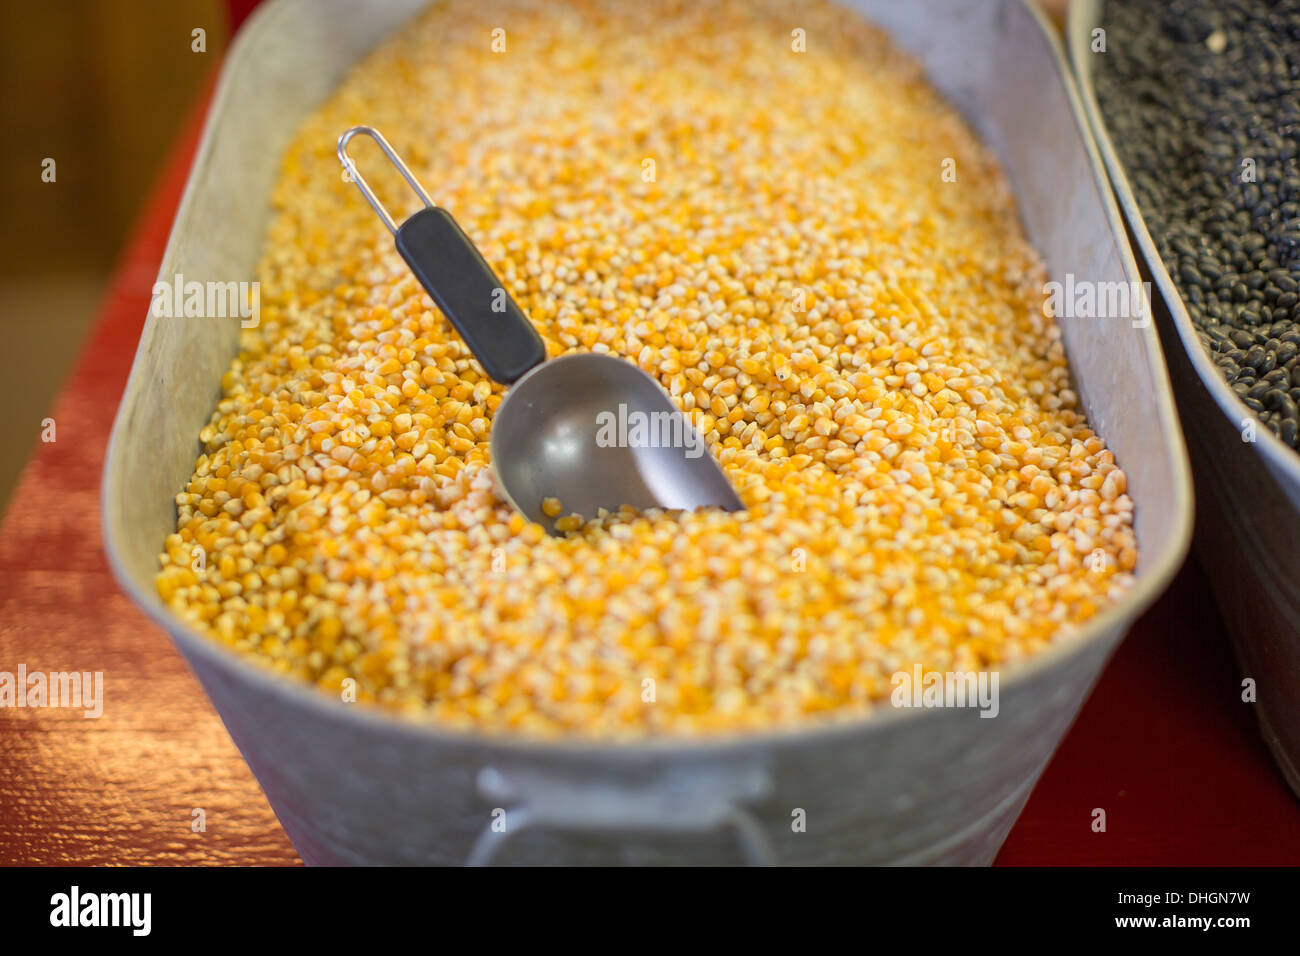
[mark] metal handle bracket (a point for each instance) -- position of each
(350, 165)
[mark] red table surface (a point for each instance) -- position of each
(1164, 744)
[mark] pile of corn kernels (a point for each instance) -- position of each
(768, 232)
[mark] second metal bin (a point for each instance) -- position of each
(1248, 492)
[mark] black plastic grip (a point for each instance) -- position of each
(469, 294)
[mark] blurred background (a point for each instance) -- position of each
(102, 87)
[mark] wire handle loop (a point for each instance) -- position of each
(351, 167)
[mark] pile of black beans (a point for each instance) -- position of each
(1202, 102)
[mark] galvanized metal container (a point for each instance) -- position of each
(1248, 505)
(352, 785)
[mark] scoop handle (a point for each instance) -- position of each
(473, 299)
(454, 273)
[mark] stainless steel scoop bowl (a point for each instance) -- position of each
(596, 431)
(590, 429)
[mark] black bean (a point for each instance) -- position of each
(1284, 405)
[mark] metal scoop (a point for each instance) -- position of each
(590, 429)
